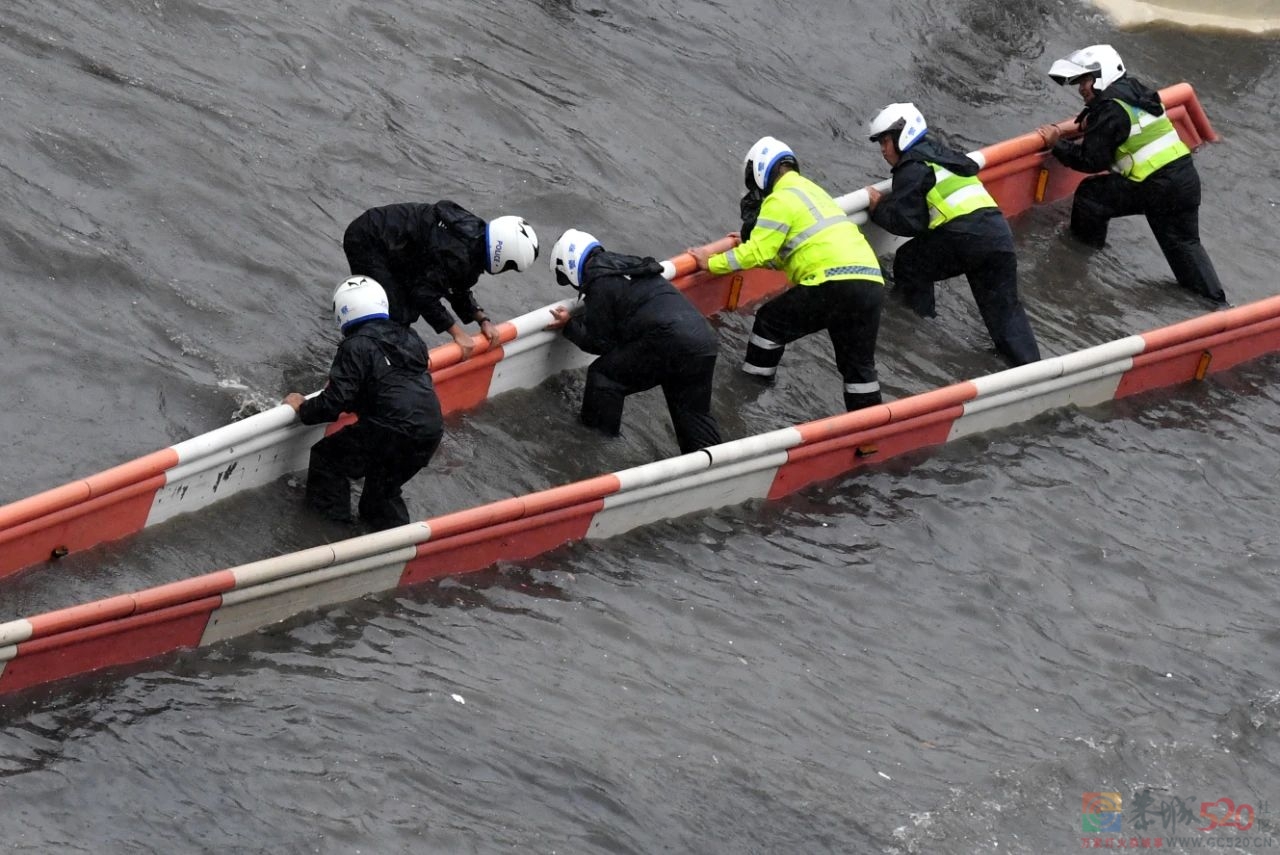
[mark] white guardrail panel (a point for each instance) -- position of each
(248, 609)
(725, 474)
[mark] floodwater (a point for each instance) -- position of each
(1245, 16)
(944, 654)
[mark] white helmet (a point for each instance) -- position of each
(358, 298)
(767, 153)
(1101, 61)
(904, 118)
(512, 244)
(568, 254)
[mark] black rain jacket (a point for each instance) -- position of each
(1106, 126)
(905, 212)
(627, 300)
(380, 374)
(436, 252)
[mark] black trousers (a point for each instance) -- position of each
(993, 280)
(1170, 200)
(365, 257)
(654, 361)
(385, 459)
(848, 309)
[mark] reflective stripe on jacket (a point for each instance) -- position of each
(807, 232)
(1153, 142)
(954, 196)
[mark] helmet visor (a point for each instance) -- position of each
(1067, 73)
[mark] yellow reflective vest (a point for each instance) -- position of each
(1153, 142)
(954, 196)
(803, 228)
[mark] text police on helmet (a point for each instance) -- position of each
(512, 244)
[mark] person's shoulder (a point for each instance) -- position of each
(374, 328)
(449, 209)
(794, 181)
(916, 159)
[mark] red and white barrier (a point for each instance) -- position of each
(222, 605)
(258, 450)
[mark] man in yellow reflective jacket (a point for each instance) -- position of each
(836, 277)
(1151, 172)
(954, 225)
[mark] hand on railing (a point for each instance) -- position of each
(560, 316)
(700, 254)
(1050, 134)
(873, 197)
(463, 340)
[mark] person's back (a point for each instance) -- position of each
(380, 374)
(646, 334)
(828, 246)
(986, 225)
(426, 253)
(397, 392)
(628, 299)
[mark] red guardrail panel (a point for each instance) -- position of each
(78, 527)
(829, 458)
(510, 541)
(104, 644)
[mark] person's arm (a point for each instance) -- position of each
(1104, 130)
(905, 211)
(577, 331)
(594, 328)
(427, 302)
(767, 237)
(462, 339)
(428, 299)
(339, 395)
(464, 304)
(467, 307)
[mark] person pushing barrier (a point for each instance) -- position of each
(1150, 170)
(380, 374)
(424, 254)
(838, 284)
(955, 228)
(647, 334)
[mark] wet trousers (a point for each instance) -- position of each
(848, 309)
(385, 459)
(640, 365)
(1172, 209)
(993, 281)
